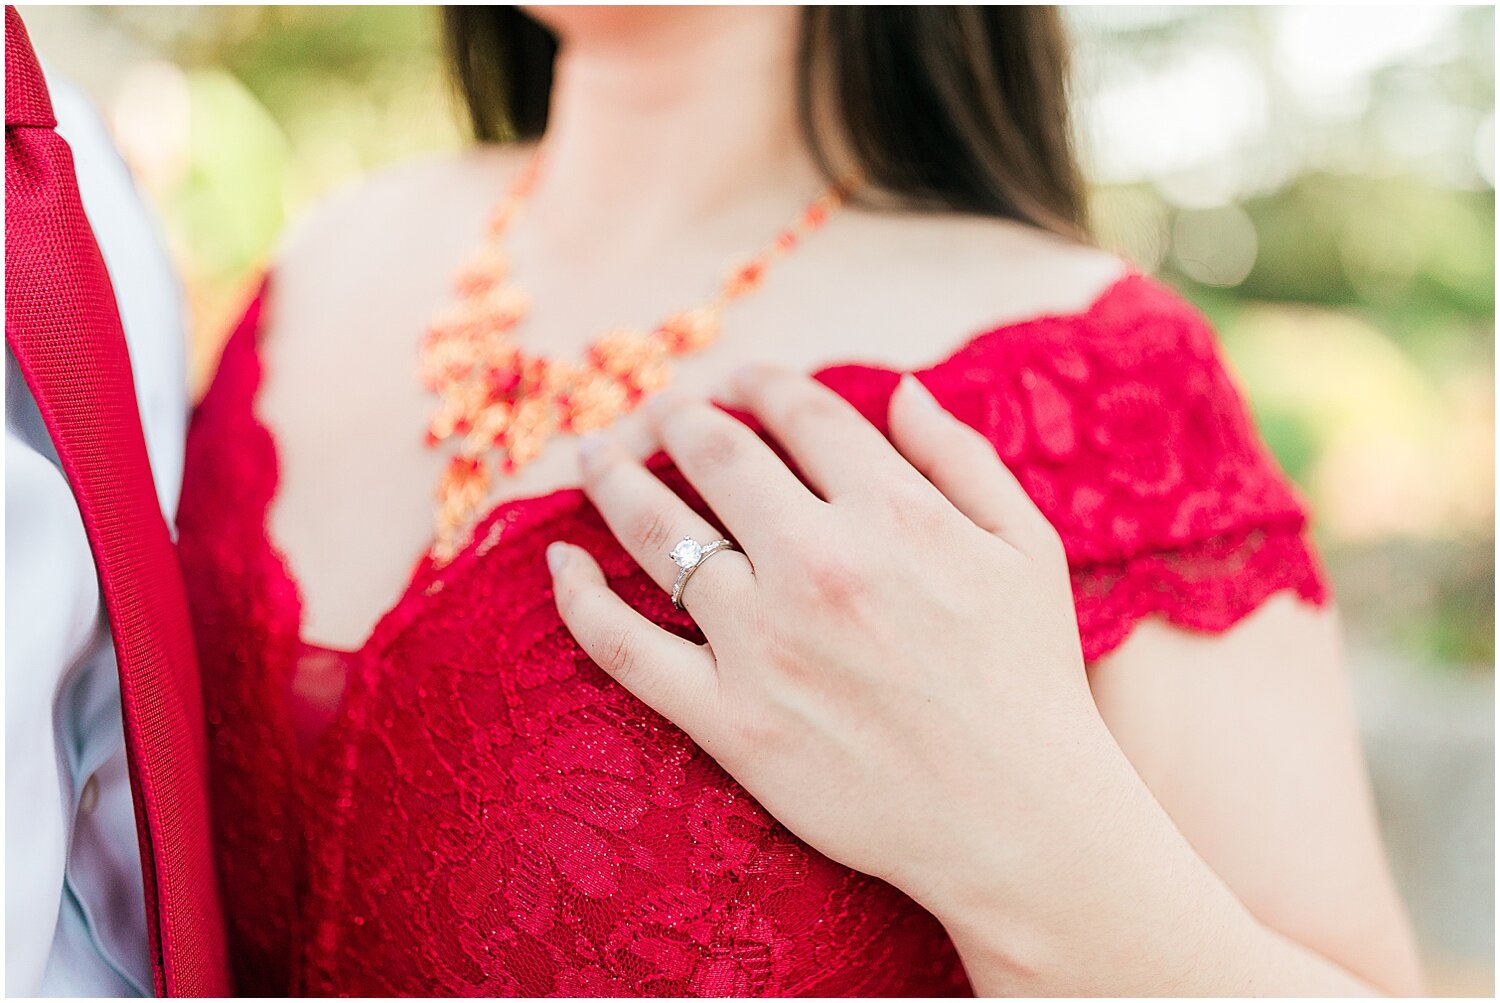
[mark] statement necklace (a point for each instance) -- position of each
(504, 403)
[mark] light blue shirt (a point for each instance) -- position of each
(74, 905)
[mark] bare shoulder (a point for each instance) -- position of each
(394, 217)
(995, 260)
(945, 277)
(420, 186)
(354, 284)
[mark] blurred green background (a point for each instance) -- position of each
(1319, 180)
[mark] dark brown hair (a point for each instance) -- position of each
(960, 108)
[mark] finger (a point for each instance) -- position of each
(963, 465)
(671, 674)
(747, 485)
(836, 449)
(649, 519)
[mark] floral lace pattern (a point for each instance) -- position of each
(489, 814)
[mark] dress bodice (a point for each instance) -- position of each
(489, 813)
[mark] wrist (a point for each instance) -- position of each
(1048, 931)
(1204, 950)
(1100, 895)
(1025, 890)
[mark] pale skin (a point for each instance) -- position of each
(1189, 815)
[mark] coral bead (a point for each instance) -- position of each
(504, 399)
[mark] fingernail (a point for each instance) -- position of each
(557, 556)
(913, 387)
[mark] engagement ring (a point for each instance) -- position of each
(689, 556)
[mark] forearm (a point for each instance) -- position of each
(1132, 910)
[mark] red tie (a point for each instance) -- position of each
(63, 328)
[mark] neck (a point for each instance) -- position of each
(682, 117)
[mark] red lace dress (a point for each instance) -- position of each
(490, 814)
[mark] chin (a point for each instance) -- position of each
(663, 25)
(591, 19)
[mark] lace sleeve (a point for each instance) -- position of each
(1134, 440)
(1128, 432)
(1208, 586)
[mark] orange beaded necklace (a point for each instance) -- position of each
(499, 397)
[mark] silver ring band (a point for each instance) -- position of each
(689, 556)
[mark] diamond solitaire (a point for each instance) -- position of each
(687, 553)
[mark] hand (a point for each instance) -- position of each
(893, 670)
(893, 666)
